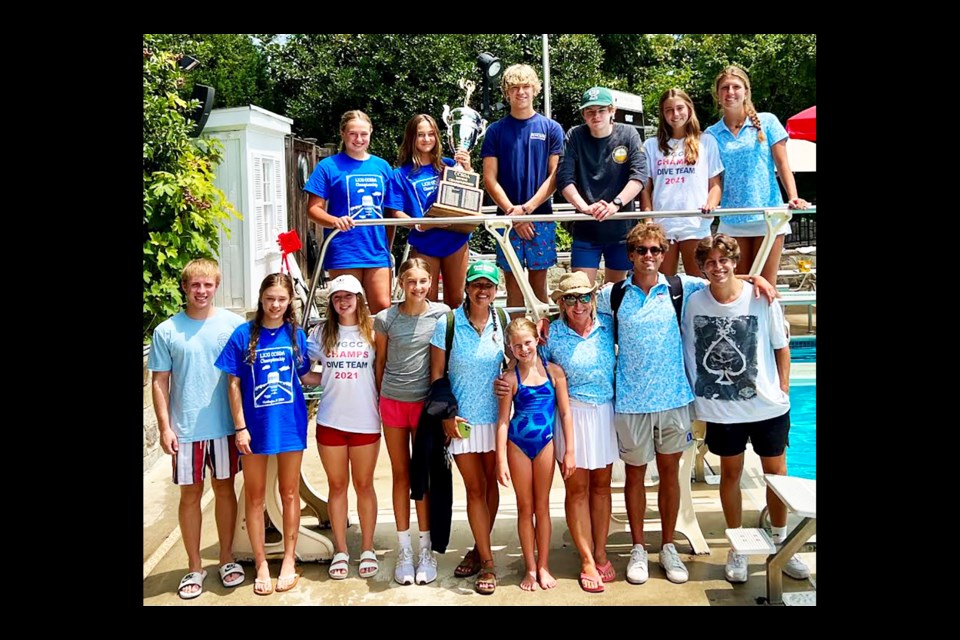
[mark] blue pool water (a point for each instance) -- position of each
(805, 351)
(802, 452)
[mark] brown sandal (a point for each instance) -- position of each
(487, 580)
(469, 566)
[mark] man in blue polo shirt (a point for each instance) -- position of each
(521, 152)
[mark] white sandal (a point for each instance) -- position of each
(368, 561)
(194, 577)
(340, 561)
(227, 569)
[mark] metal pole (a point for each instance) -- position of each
(546, 77)
(772, 215)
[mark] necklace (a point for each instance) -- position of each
(478, 329)
(272, 332)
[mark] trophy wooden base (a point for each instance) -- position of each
(447, 211)
(458, 195)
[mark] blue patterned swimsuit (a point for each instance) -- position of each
(534, 408)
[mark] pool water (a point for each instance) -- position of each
(804, 352)
(802, 452)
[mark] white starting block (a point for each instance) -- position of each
(751, 542)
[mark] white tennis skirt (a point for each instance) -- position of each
(483, 438)
(594, 435)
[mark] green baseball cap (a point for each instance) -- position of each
(483, 269)
(596, 97)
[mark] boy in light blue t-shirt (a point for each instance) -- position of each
(194, 419)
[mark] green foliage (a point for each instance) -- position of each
(231, 63)
(315, 78)
(183, 211)
(782, 69)
(564, 240)
(393, 77)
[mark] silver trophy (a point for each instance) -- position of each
(465, 126)
(459, 192)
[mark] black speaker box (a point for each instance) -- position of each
(204, 94)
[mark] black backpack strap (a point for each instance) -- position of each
(449, 343)
(616, 297)
(676, 296)
(504, 321)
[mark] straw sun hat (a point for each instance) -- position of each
(573, 283)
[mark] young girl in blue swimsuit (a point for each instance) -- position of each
(538, 395)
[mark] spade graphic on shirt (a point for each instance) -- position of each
(726, 357)
(723, 358)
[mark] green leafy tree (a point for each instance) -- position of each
(392, 77)
(232, 63)
(782, 68)
(183, 211)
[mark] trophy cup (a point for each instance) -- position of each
(459, 192)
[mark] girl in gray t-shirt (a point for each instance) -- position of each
(402, 333)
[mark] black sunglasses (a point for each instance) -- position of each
(643, 250)
(572, 299)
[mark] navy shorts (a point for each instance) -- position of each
(586, 255)
(769, 437)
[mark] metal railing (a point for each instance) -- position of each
(773, 216)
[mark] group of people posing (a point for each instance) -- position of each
(621, 373)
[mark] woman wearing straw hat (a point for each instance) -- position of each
(581, 342)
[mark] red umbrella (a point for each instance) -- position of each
(803, 126)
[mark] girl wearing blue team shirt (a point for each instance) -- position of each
(753, 149)
(354, 185)
(415, 186)
(265, 359)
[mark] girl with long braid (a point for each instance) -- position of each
(476, 355)
(753, 148)
(265, 359)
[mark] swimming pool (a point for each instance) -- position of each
(802, 452)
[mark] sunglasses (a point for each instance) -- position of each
(572, 299)
(643, 250)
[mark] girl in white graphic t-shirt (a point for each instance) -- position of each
(685, 173)
(348, 420)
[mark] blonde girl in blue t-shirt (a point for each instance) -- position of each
(355, 184)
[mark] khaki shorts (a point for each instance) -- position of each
(641, 436)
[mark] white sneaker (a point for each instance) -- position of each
(736, 568)
(404, 570)
(672, 565)
(637, 570)
(796, 568)
(426, 567)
